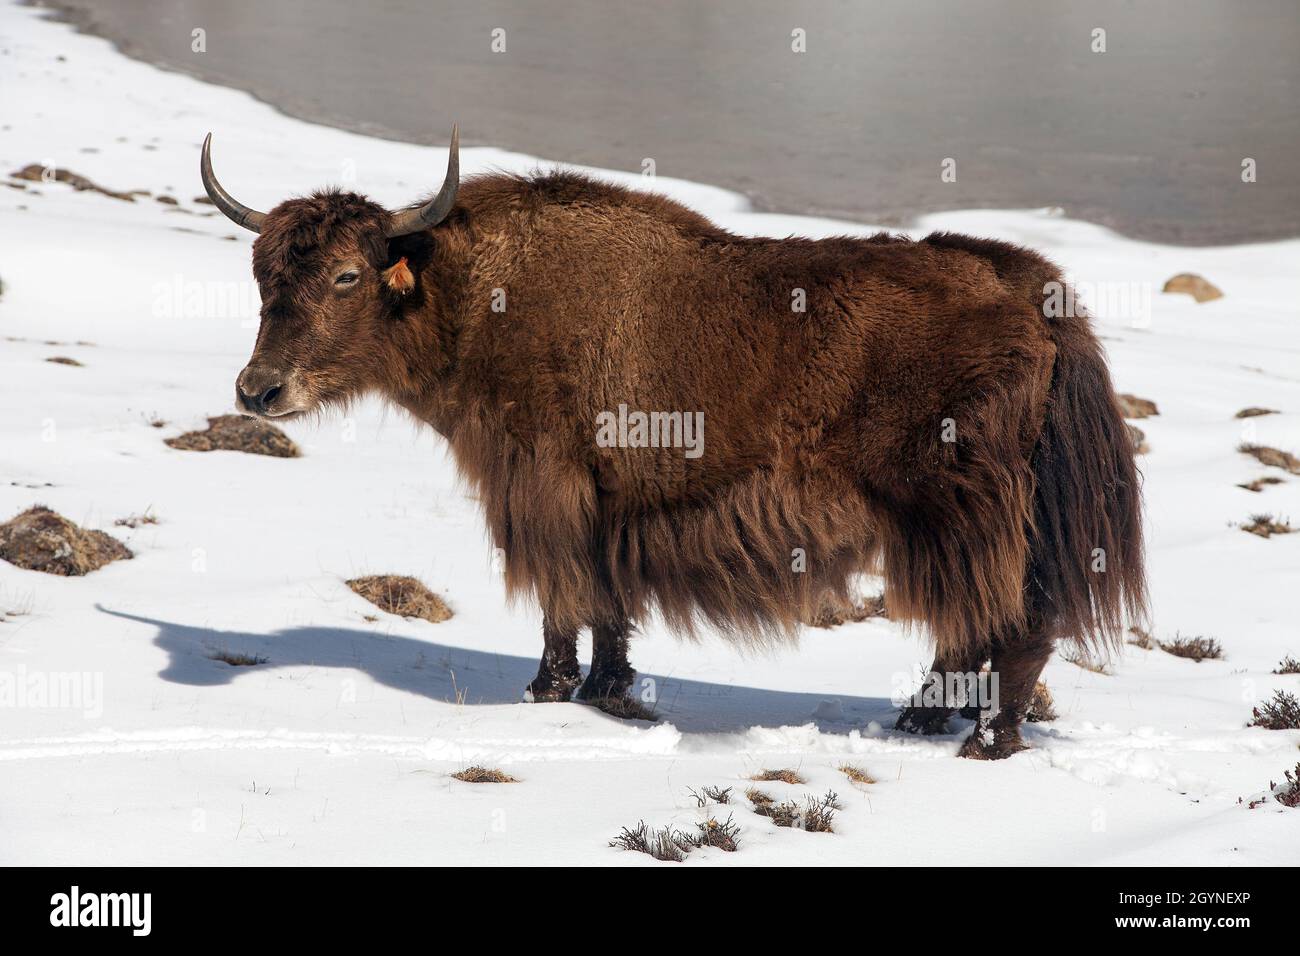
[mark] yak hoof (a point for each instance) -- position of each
(547, 688)
(986, 744)
(923, 720)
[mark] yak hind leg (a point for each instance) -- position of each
(559, 673)
(610, 680)
(950, 668)
(1016, 666)
(611, 674)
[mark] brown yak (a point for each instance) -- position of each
(879, 404)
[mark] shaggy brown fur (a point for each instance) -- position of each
(921, 417)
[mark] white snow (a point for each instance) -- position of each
(338, 749)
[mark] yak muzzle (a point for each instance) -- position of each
(259, 390)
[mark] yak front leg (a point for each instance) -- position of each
(611, 673)
(558, 672)
(929, 714)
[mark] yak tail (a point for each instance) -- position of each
(1086, 569)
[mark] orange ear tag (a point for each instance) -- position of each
(399, 277)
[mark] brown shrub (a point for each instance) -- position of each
(666, 844)
(1280, 713)
(1133, 407)
(238, 433)
(1289, 793)
(1288, 665)
(1138, 439)
(483, 775)
(1272, 457)
(707, 795)
(1254, 412)
(720, 836)
(758, 798)
(64, 360)
(815, 814)
(1194, 648)
(1265, 525)
(401, 595)
(41, 540)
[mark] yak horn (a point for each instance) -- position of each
(235, 210)
(436, 209)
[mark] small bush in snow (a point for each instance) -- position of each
(1193, 648)
(815, 814)
(665, 844)
(1280, 713)
(1265, 525)
(1288, 665)
(707, 795)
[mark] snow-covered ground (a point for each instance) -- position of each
(338, 749)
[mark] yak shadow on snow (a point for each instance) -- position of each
(446, 673)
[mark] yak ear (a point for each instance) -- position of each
(399, 277)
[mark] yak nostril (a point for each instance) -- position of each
(270, 395)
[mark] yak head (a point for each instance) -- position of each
(331, 275)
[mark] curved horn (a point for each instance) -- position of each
(235, 210)
(435, 210)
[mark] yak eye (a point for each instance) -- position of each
(347, 278)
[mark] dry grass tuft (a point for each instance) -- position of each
(1260, 483)
(1254, 411)
(483, 775)
(1272, 457)
(1141, 638)
(783, 776)
(759, 798)
(1288, 665)
(856, 774)
(1193, 648)
(1041, 706)
(401, 595)
(1280, 713)
(135, 521)
(64, 360)
(815, 814)
(237, 659)
(237, 433)
(1138, 439)
(1198, 287)
(1265, 525)
(833, 613)
(1080, 658)
(41, 540)
(1133, 407)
